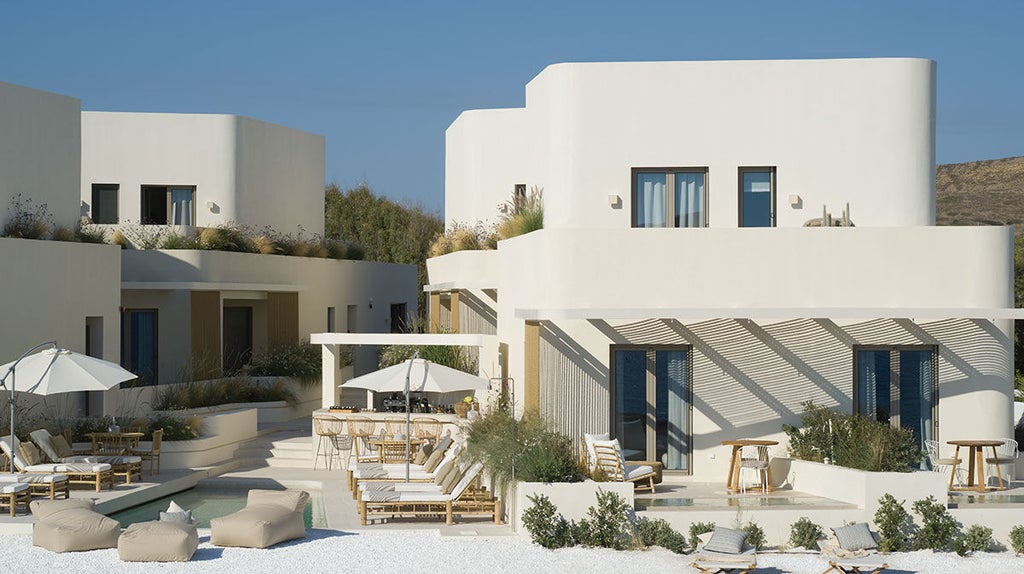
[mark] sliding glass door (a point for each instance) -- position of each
(651, 404)
(899, 386)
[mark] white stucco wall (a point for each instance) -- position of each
(40, 152)
(256, 174)
(50, 290)
(837, 131)
(320, 283)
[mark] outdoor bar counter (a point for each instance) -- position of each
(450, 422)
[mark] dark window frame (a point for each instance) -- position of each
(773, 208)
(670, 195)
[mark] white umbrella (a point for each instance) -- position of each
(417, 375)
(52, 370)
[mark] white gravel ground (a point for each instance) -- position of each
(410, 552)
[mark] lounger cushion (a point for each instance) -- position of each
(158, 542)
(71, 467)
(61, 446)
(12, 487)
(269, 517)
(30, 453)
(33, 478)
(726, 540)
(855, 537)
(589, 440)
(71, 526)
(41, 438)
(637, 470)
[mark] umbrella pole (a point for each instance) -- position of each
(12, 375)
(408, 373)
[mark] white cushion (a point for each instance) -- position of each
(589, 440)
(10, 487)
(636, 470)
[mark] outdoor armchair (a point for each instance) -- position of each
(610, 461)
(1005, 455)
(943, 465)
(95, 474)
(151, 454)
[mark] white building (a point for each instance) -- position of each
(172, 315)
(675, 297)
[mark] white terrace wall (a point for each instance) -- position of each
(255, 173)
(40, 151)
(819, 122)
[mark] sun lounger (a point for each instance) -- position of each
(96, 474)
(45, 485)
(852, 549)
(363, 472)
(56, 449)
(457, 502)
(724, 551)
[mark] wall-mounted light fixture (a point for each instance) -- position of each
(614, 201)
(371, 303)
(795, 201)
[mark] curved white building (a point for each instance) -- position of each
(683, 291)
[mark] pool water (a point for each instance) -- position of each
(207, 503)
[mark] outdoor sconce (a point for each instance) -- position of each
(614, 201)
(213, 207)
(371, 303)
(795, 201)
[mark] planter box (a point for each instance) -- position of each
(223, 431)
(572, 498)
(270, 411)
(858, 487)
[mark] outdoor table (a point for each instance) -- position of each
(975, 463)
(114, 443)
(732, 483)
(386, 448)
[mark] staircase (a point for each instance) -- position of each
(285, 445)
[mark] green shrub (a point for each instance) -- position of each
(658, 532)
(520, 449)
(805, 534)
(175, 427)
(852, 441)
(977, 538)
(938, 528)
(302, 360)
(198, 394)
(174, 240)
(546, 527)
(607, 525)
(755, 534)
(61, 233)
(895, 526)
(462, 237)
(1017, 539)
(698, 528)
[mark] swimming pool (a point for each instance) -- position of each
(212, 502)
(715, 503)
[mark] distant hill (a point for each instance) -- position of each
(981, 193)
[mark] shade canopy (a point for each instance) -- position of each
(48, 370)
(423, 377)
(52, 371)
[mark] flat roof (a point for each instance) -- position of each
(397, 339)
(210, 286)
(704, 313)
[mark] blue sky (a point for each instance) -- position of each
(381, 80)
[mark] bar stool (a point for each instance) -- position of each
(327, 429)
(427, 428)
(361, 429)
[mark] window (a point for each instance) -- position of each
(672, 197)
(651, 403)
(104, 202)
(899, 386)
(168, 205)
(139, 343)
(757, 196)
